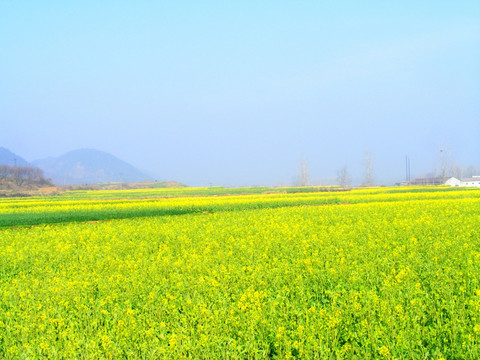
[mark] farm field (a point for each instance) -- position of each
(382, 273)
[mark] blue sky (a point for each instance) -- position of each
(238, 93)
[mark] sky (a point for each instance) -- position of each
(240, 93)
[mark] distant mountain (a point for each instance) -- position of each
(88, 166)
(9, 158)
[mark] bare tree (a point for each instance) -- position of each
(448, 167)
(455, 170)
(368, 168)
(304, 179)
(20, 175)
(343, 177)
(471, 171)
(443, 164)
(4, 172)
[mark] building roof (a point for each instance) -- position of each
(475, 178)
(428, 181)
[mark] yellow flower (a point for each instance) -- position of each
(383, 351)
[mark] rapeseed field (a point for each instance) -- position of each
(365, 274)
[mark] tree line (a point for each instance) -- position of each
(23, 175)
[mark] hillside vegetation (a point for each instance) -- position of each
(21, 178)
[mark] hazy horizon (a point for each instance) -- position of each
(240, 94)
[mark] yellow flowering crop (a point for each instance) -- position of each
(376, 274)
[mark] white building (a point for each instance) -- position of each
(470, 182)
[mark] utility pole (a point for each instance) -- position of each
(407, 168)
(442, 157)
